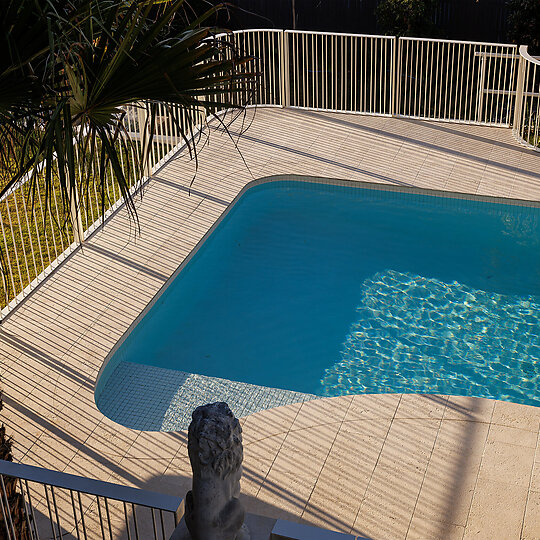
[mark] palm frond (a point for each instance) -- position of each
(65, 105)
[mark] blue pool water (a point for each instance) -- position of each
(331, 290)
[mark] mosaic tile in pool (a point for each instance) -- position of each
(329, 289)
(158, 399)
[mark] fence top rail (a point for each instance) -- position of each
(524, 51)
(244, 30)
(337, 34)
(131, 495)
(485, 43)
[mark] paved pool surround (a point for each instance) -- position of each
(387, 466)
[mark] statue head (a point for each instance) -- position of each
(215, 441)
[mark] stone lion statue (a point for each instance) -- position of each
(213, 511)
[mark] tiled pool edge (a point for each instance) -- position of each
(149, 398)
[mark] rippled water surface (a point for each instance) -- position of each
(334, 290)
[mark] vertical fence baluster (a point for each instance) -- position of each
(6, 510)
(82, 515)
(50, 511)
(135, 522)
(162, 524)
(100, 518)
(108, 517)
(56, 513)
(31, 514)
(154, 524)
(127, 521)
(74, 514)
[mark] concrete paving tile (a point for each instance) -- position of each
(383, 517)
(448, 487)
(50, 453)
(427, 529)
(278, 420)
(511, 435)
(400, 448)
(350, 465)
(320, 412)
(148, 444)
(497, 511)
(372, 406)
(531, 524)
(508, 463)
(514, 415)
(305, 450)
(466, 438)
(421, 406)
(108, 441)
(334, 513)
(469, 408)
(288, 492)
(258, 459)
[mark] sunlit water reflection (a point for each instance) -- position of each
(416, 334)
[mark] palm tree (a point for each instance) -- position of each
(63, 96)
(65, 92)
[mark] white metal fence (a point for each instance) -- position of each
(456, 81)
(526, 124)
(452, 81)
(340, 72)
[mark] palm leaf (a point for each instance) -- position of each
(97, 58)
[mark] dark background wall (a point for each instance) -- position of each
(474, 20)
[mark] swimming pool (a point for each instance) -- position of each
(333, 289)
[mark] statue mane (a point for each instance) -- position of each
(215, 440)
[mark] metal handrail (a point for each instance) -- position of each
(62, 495)
(465, 42)
(338, 34)
(90, 486)
(526, 123)
(524, 51)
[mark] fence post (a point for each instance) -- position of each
(520, 86)
(142, 119)
(481, 83)
(394, 94)
(285, 82)
(75, 210)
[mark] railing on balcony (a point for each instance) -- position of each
(451, 81)
(58, 505)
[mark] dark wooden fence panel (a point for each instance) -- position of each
(473, 20)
